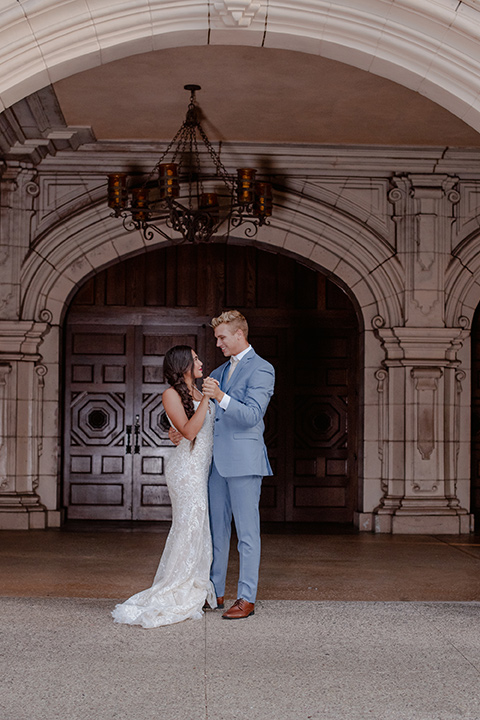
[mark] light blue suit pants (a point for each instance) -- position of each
(238, 497)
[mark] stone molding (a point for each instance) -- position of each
(424, 215)
(21, 340)
(377, 35)
(237, 13)
(72, 250)
(461, 281)
(420, 346)
(47, 130)
(291, 160)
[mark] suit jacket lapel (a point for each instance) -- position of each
(236, 373)
(223, 376)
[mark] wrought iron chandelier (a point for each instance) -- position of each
(190, 202)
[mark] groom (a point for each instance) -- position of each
(242, 388)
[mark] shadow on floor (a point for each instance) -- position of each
(268, 528)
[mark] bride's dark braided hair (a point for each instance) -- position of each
(179, 360)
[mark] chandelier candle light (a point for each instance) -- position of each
(188, 201)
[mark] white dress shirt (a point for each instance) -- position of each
(224, 402)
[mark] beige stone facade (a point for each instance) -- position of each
(396, 225)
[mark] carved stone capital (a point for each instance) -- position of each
(21, 340)
(434, 187)
(419, 346)
(415, 192)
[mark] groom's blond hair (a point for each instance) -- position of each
(233, 318)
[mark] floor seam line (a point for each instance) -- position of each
(477, 670)
(205, 690)
(447, 639)
(458, 548)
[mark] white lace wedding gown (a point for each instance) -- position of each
(182, 581)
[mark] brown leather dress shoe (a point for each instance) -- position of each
(220, 604)
(240, 609)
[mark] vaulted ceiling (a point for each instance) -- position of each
(255, 95)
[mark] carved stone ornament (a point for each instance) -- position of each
(46, 316)
(381, 377)
(378, 321)
(41, 371)
(426, 383)
(31, 188)
(238, 13)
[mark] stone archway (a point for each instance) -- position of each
(377, 36)
(326, 237)
(75, 249)
(118, 328)
(463, 293)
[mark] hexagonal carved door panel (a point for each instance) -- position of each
(115, 450)
(97, 418)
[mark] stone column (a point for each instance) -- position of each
(18, 191)
(419, 390)
(21, 370)
(420, 383)
(424, 215)
(21, 424)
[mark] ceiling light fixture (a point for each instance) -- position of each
(190, 202)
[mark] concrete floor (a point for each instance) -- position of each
(347, 627)
(115, 560)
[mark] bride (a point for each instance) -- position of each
(182, 582)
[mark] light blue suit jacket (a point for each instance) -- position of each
(238, 444)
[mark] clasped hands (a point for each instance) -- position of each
(210, 389)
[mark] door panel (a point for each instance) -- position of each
(116, 451)
(320, 486)
(150, 495)
(99, 399)
(123, 320)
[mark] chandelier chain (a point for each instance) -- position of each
(155, 168)
(220, 167)
(197, 214)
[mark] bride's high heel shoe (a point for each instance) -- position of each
(220, 604)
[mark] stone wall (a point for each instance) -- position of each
(396, 227)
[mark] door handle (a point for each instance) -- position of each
(137, 434)
(128, 448)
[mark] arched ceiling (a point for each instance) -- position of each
(255, 95)
(430, 47)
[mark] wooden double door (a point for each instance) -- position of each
(116, 450)
(118, 329)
